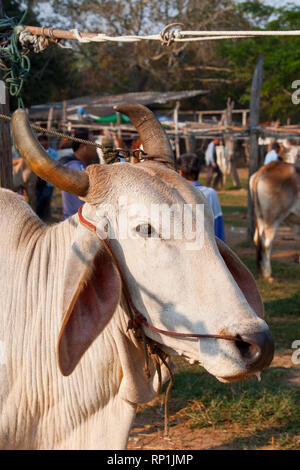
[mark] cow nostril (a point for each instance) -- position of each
(257, 349)
(249, 352)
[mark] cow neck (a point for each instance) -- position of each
(137, 318)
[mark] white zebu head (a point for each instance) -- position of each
(185, 283)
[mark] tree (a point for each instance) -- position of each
(281, 64)
(144, 66)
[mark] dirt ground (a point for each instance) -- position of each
(148, 430)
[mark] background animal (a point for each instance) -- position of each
(289, 151)
(75, 360)
(275, 191)
(24, 178)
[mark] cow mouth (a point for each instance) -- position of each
(255, 351)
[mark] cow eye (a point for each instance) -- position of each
(145, 230)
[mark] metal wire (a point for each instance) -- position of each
(110, 154)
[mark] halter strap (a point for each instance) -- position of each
(138, 319)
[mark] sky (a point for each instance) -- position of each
(283, 2)
(279, 3)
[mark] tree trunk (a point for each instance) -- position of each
(5, 140)
(253, 139)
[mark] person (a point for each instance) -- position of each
(44, 190)
(273, 155)
(211, 162)
(78, 158)
(189, 167)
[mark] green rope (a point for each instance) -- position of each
(15, 65)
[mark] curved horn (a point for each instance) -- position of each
(152, 135)
(67, 179)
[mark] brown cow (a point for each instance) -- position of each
(24, 178)
(275, 190)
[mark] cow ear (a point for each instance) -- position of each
(92, 291)
(242, 277)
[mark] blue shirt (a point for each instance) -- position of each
(70, 202)
(271, 157)
(53, 154)
(213, 201)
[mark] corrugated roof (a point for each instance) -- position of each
(103, 105)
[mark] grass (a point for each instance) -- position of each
(234, 200)
(266, 413)
(229, 185)
(235, 216)
(281, 301)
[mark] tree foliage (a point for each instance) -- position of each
(281, 59)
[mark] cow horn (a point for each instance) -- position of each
(154, 139)
(73, 181)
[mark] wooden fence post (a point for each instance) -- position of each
(253, 139)
(5, 140)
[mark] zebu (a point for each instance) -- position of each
(77, 308)
(275, 191)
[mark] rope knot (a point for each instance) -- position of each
(136, 322)
(167, 36)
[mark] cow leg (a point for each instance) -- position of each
(267, 242)
(266, 263)
(259, 243)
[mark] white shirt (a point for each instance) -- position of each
(209, 154)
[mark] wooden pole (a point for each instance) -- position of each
(177, 147)
(50, 118)
(253, 139)
(64, 111)
(6, 180)
(56, 33)
(190, 144)
(229, 143)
